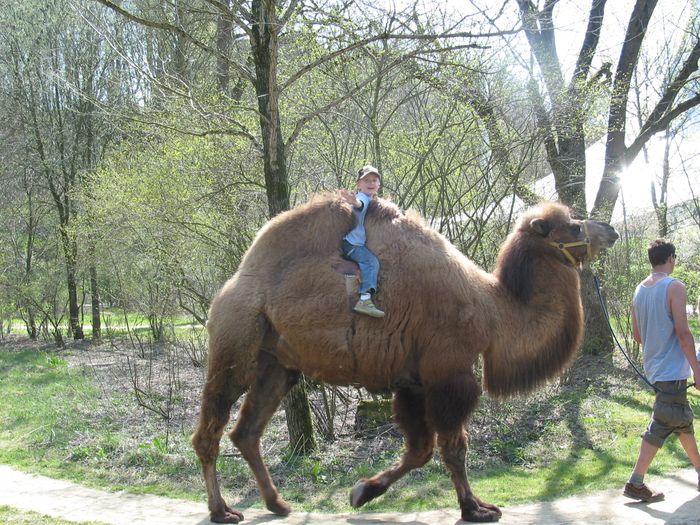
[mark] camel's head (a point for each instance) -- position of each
(579, 241)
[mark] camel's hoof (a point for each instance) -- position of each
(482, 514)
(364, 491)
(278, 506)
(356, 495)
(228, 515)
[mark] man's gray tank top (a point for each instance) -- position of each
(663, 357)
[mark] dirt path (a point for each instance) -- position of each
(72, 502)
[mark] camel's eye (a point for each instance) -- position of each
(575, 229)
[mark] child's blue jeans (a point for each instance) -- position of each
(368, 263)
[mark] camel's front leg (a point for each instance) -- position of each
(409, 413)
(449, 403)
(453, 447)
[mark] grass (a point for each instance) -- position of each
(559, 443)
(12, 516)
(41, 412)
(114, 324)
(601, 454)
(52, 424)
(595, 451)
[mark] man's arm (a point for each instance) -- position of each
(635, 328)
(677, 297)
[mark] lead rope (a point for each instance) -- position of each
(612, 332)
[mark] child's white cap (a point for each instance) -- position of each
(366, 170)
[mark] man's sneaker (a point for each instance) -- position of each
(367, 307)
(642, 493)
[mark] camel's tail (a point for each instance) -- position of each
(237, 327)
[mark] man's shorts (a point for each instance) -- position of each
(672, 413)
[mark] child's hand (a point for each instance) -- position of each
(349, 197)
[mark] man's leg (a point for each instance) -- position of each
(635, 487)
(647, 452)
(690, 447)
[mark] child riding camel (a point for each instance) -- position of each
(354, 243)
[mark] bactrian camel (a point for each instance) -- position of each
(286, 311)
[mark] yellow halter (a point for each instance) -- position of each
(564, 245)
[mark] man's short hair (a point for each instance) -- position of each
(659, 251)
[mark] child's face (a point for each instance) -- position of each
(369, 184)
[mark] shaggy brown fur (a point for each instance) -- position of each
(286, 310)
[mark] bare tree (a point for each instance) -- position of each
(562, 109)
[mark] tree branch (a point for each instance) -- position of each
(662, 115)
(288, 13)
(227, 12)
(384, 36)
(652, 127)
(539, 32)
(244, 71)
(545, 126)
(590, 42)
(309, 116)
(629, 56)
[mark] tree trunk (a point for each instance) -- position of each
(30, 321)
(597, 338)
(616, 156)
(563, 132)
(299, 422)
(94, 295)
(90, 161)
(570, 171)
(264, 46)
(224, 37)
(70, 251)
(661, 204)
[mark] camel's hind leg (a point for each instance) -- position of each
(272, 382)
(217, 398)
(409, 413)
(231, 347)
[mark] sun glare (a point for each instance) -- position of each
(635, 186)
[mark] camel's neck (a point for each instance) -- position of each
(541, 325)
(553, 294)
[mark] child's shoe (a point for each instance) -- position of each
(367, 307)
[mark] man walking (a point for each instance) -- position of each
(660, 325)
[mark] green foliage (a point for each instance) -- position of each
(694, 324)
(690, 275)
(170, 224)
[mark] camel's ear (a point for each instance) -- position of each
(541, 226)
